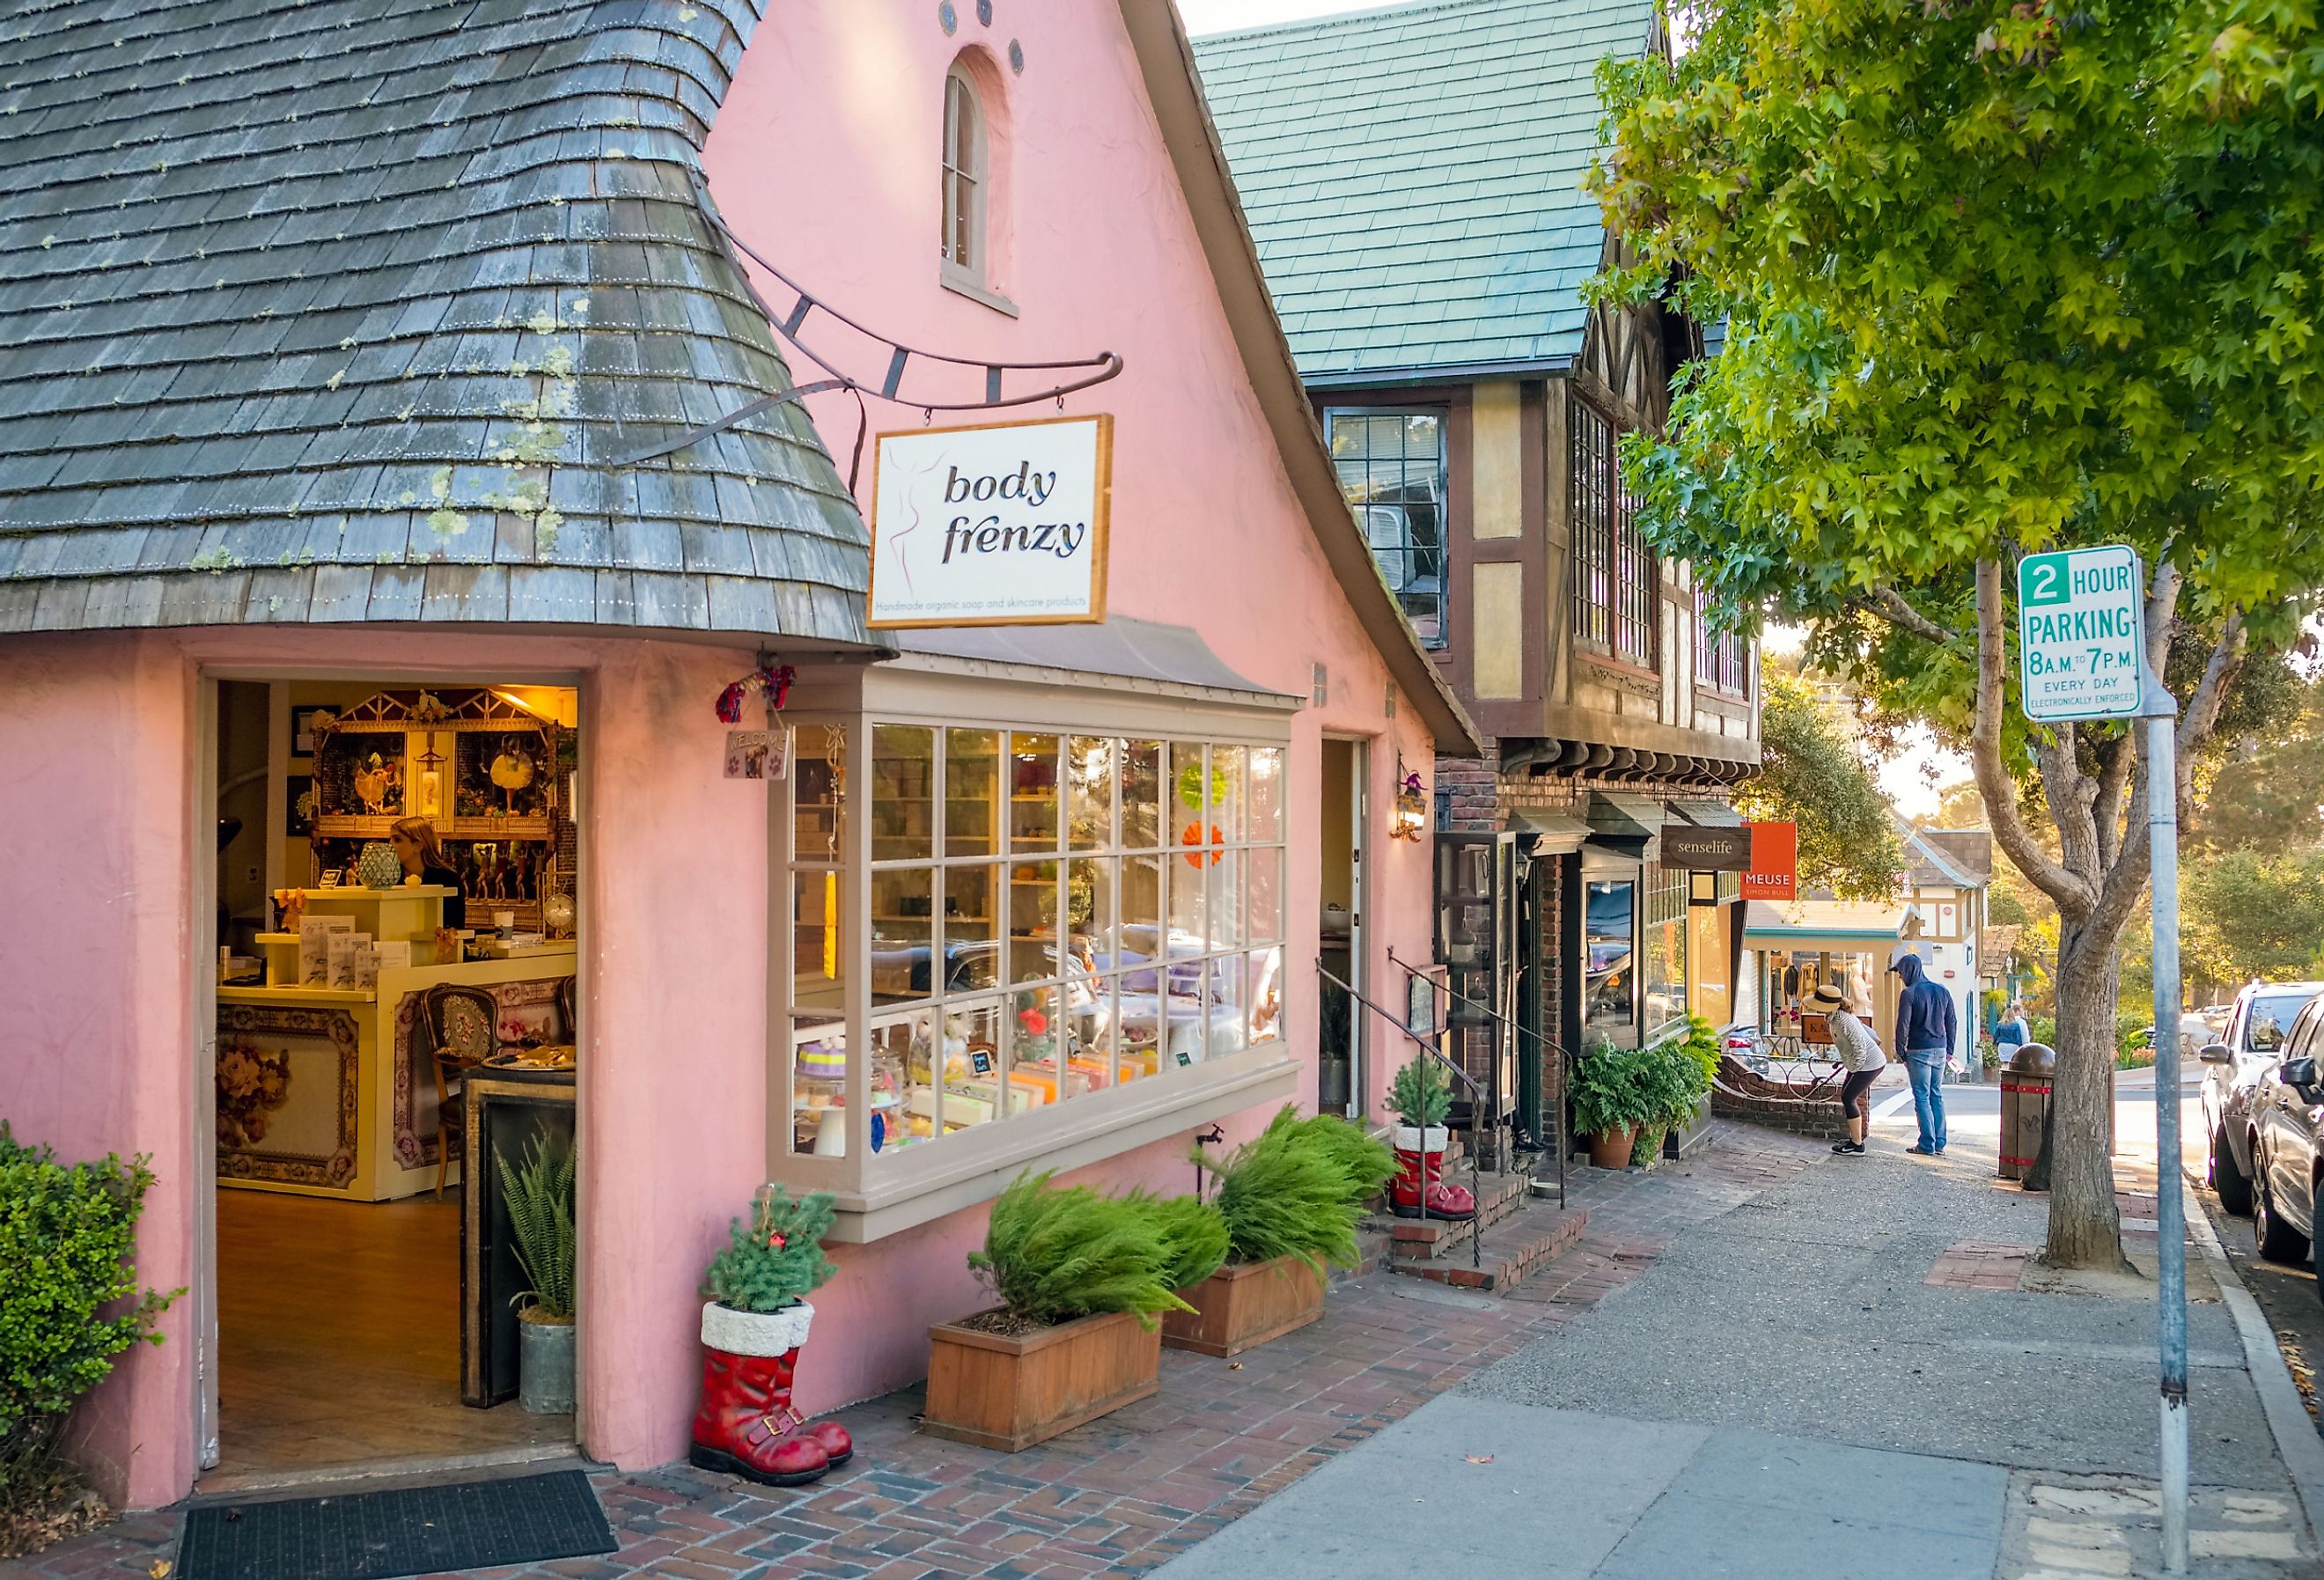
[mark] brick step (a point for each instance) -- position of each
(1512, 1250)
(1498, 1196)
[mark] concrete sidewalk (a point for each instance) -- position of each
(1838, 1377)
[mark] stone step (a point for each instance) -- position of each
(1512, 1249)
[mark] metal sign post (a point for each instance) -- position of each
(2081, 643)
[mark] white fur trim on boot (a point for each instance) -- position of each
(755, 1333)
(1407, 1138)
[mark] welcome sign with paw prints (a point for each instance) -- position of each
(1002, 524)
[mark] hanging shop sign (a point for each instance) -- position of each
(1774, 873)
(1003, 525)
(2080, 621)
(1706, 850)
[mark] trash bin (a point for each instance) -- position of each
(2025, 1106)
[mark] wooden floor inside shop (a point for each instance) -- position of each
(339, 1338)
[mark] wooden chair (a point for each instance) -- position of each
(462, 1032)
(568, 1013)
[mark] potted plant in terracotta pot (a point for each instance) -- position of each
(754, 1325)
(1422, 1097)
(1614, 1099)
(537, 1192)
(1287, 1202)
(1080, 1278)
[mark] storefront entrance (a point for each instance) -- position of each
(391, 998)
(1340, 1039)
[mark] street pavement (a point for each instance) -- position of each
(1829, 1380)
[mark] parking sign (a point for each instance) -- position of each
(2081, 624)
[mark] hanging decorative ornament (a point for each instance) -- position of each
(1193, 836)
(773, 682)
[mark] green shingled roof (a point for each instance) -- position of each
(1413, 177)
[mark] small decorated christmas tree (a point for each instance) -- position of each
(776, 1259)
(1421, 1094)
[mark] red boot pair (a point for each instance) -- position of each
(746, 1426)
(1420, 1190)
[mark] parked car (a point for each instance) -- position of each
(2246, 1050)
(2287, 1106)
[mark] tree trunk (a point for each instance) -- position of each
(2085, 1230)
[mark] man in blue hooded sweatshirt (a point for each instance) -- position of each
(1926, 1029)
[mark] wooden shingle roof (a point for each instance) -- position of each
(319, 311)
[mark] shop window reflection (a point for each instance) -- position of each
(1609, 976)
(1033, 792)
(1141, 796)
(972, 776)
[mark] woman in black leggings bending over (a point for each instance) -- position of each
(1859, 1052)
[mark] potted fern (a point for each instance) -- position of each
(1616, 1095)
(1286, 1202)
(538, 1193)
(1080, 1278)
(1422, 1097)
(754, 1322)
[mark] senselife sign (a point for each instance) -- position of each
(996, 525)
(2081, 619)
(1706, 850)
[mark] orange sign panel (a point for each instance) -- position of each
(1775, 862)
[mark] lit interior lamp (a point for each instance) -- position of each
(1702, 888)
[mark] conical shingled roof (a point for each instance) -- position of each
(319, 310)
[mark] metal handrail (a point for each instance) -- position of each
(1564, 1142)
(1476, 1105)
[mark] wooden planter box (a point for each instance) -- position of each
(1243, 1305)
(1010, 1393)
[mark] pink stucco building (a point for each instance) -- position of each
(320, 418)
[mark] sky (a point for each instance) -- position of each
(1204, 16)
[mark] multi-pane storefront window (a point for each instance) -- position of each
(1051, 915)
(1391, 467)
(1662, 951)
(1722, 660)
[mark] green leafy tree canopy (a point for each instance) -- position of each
(1813, 774)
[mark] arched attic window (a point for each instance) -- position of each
(974, 183)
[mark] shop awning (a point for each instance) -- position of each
(1708, 814)
(1811, 924)
(1615, 815)
(1153, 655)
(1552, 833)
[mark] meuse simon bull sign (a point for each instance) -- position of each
(997, 525)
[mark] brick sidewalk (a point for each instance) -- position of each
(1126, 1492)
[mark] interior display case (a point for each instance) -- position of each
(489, 773)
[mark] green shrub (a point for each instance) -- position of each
(538, 1191)
(1299, 1188)
(68, 1252)
(776, 1260)
(1704, 1047)
(1053, 1254)
(1194, 1233)
(1421, 1094)
(1617, 1088)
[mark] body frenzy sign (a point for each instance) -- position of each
(2080, 623)
(996, 525)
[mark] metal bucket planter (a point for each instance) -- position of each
(544, 1365)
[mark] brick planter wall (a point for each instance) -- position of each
(1738, 1093)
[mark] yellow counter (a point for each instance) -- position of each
(331, 1091)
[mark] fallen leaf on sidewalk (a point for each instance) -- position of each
(1234, 1365)
(159, 1568)
(1478, 1458)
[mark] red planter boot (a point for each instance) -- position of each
(746, 1426)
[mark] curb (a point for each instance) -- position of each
(2297, 1442)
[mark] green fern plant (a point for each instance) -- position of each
(537, 1192)
(1421, 1094)
(776, 1259)
(1297, 1188)
(1053, 1254)
(1194, 1232)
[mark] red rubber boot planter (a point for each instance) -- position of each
(746, 1426)
(1420, 1190)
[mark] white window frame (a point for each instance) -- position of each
(967, 161)
(900, 1188)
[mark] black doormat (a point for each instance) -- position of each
(412, 1530)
